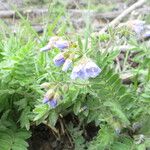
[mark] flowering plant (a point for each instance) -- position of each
(85, 68)
(47, 85)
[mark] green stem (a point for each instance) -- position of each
(148, 75)
(125, 60)
(62, 83)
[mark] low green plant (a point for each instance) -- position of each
(120, 113)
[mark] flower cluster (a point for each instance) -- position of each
(85, 69)
(55, 42)
(63, 58)
(51, 97)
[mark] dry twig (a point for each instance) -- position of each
(117, 20)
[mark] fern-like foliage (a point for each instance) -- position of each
(17, 91)
(11, 137)
(13, 140)
(110, 105)
(77, 137)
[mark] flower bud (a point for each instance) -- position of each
(65, 88)
(59, 59)
(46, 48)
(49, 94)
(67, 65)
(45, 85)
(61, 44)
(57, 96)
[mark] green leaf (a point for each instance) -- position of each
(80, 43)
(114, 107)
(141, 147)
(25, 118)
(76, 107)
(103, 140)
(14, 140)
(52, 118)
(40, 111)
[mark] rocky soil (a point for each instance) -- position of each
(76, 10)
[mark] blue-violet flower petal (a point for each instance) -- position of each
(61, 44)
(59, 59)
(52, 103)
(45, 100)
(78, 72)
(92, 70)
(67, 65)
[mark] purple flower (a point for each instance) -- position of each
(138, 29)
(78, 72)
(45, 100)
(67, 65)
(55, 42)
(61, 44)
(52, 103)
(146, 35)
(137, 26)
(59, 59)
(51, 98)
(50, 44)
(92, 70)
(85, 70)
(49, 94)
